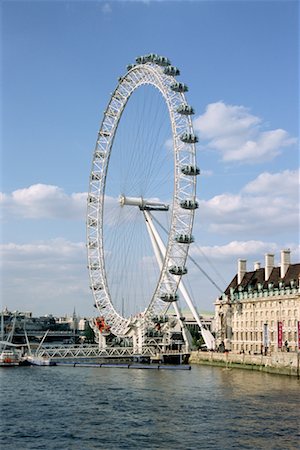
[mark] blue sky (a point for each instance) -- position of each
(61, 60)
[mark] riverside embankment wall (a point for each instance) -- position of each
(279, 363)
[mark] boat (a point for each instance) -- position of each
(9, 355)
(9, 358)
(39, 361)
(34, 359)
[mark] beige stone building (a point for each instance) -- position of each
(259, 311)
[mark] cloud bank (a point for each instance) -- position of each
(267, 204)
(238, 135)
(43, 201)
(270, 201)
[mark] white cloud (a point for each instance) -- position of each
(238, 135)
(270, 203)
(46, 277)
(282, 183)
(41, 201)
(236, 249)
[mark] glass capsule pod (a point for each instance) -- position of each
(169, 298)
(186, 110)
(190, 170)
(189, 138)
(184, 239)
(171, 70)
(161, 61)
(179, 87)
(189, 204)
(178, 270)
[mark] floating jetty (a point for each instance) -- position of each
(127, 366)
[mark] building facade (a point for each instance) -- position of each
(259, 311)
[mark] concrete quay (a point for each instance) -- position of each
(280, 363)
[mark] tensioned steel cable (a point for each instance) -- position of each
(193, 260)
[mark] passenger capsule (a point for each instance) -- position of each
(178, 270)
(130, 66)
(189, 204)
(162, 61)
(151, 57)
(168, 298)
(171, 70)
(186, 110)
(179, 87)
(190, 170)
(141, 59)
(189, 138)
(184, 239)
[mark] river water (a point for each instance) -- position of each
(110, 408)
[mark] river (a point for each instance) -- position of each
(110, 408)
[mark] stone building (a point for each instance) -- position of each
(259, 311)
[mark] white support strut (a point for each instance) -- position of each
(159, 250)
(206, 334)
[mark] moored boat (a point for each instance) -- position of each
(9, 358)
(39, 361)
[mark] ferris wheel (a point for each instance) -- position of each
(106, 204)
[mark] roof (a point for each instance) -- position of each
(256, 277)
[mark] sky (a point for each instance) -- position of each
(61, 60)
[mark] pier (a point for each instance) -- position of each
(79, 353)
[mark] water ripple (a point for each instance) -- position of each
(107, 408)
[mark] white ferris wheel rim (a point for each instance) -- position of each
(184, 190)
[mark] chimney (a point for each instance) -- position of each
(269, 264)
(285, 261)
(257, 265)
(242, 269)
